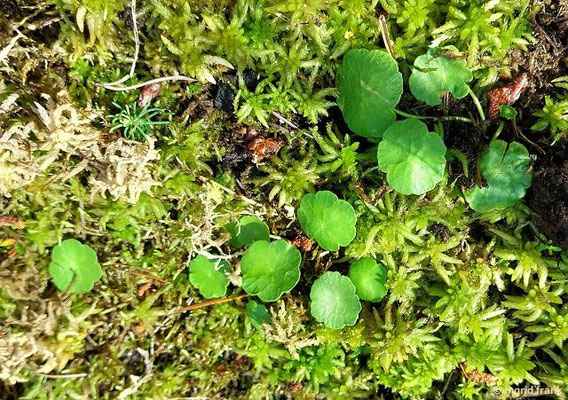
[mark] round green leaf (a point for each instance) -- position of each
(327, 219)
(412, 157)
(249, 229)
(334, 301)
(434, 75)
(507, 112)
(258, 313)
(370, 87)
(74, 265)
(208, 276)
(270, 269)
(505, 170)
(369, 279)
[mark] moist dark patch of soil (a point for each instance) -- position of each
(471, 142)
(225, 94)
(8, 7)
(440, 231)
(548, 196)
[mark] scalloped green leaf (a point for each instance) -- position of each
(333, 301)
(370, 87)
(248, 230)
(208, 276)
(505, 170)
(74, 266)
(327, 219)
(369, 279)
(258, 313)
(270, 269)
(412, 157)
(434, 75)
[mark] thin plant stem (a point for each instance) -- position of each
(477, 104)
(445, 118)
(498, 131)
(212, 302)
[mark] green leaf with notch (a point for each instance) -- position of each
(247, 231)
(505, 170)
(412, 157)
(74, 265)
(370, 87)
(434, 75)
(208, 276)
(258, 313)
(369, 279)
(333, 301)
(327, 219)
(270, 269)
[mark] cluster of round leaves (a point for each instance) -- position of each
(269, 269)
(370, 86)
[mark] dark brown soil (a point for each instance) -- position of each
(548, 196)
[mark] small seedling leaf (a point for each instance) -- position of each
(370, 87)
(258, 313)
(434, 75)
(505, 170)
(74, 265)
(270, 269)
(369, 278)
(247, 231)
(412, 157)
(208, 276)
(333, 301)
(327, 219)
(507, 112)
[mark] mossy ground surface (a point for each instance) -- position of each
(476, 303)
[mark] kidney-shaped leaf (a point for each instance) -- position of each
(334, 301)
(270, 269)
(370, 87)
(369, 279)
(258, 313)
(248, 230)
(505, 169)
(434, 75)
(327, 219)
(74, 265)
(412, 157)
(208, 276)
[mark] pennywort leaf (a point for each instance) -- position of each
(258, 313)
(327, 219)
(333, 301)
(435, 74)
(505, 170)
(248, 230)
(270, 269)
(370, 86)
(74, 266)
(369, 279)
(412, 157)
(208, 276)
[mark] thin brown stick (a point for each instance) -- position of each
(212, 302)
